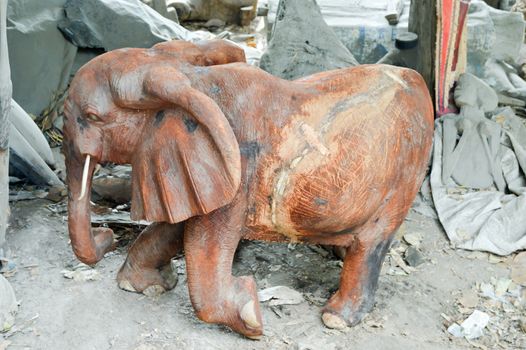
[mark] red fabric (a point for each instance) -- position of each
(448, 12)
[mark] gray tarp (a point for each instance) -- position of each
(26, 127)
(486, 220)
(41, 58)
(113, 24)
(493, 36)
(30, 152)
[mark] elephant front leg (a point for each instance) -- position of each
(148, 268)
(217, 296)
(358, 282)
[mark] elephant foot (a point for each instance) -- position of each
(238, 310)
(148, 281)
(340, 313)
(359, 279)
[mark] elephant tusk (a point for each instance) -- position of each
(84, 178)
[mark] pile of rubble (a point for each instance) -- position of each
(492, 312)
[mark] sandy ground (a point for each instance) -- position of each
(412, 310)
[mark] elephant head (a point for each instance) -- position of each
(184, 155)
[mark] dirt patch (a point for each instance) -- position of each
(413, 310)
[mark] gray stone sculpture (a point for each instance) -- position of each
(299, 47)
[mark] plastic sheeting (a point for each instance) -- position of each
(29, 149)
(486, 220)
(40, 57)
(493, 35)
(114, 24)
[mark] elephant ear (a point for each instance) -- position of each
(189, 161)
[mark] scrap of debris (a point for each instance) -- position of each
(81, 273)
(280, 295)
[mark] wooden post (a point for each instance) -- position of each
(5, 104)
(423, 21)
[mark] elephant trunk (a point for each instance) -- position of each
(89, 245)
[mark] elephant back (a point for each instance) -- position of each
(366, 133)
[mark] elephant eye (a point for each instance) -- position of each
(93, 117)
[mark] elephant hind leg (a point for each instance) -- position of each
(358, 282)
(361, 268)
(148, 268)
(217, 296)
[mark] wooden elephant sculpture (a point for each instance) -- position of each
(225, 151)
